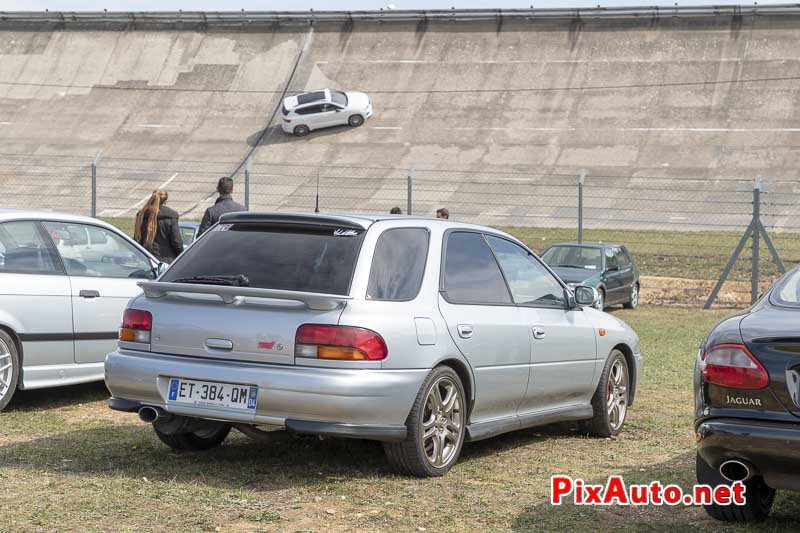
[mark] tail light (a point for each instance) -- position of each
(136, 326)
(343, 343)
(732, 365)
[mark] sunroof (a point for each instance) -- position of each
(306, 98)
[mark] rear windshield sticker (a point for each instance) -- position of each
(223, 227)
(345, 232)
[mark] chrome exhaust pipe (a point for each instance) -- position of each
(150, 415)
(736, 470)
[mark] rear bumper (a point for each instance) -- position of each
(773, 448)
(368, 403)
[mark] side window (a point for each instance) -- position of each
(26, 250)
(107, 255)
(471, 274)
(310, 110)
(611, 259)
(398, 264)
(622, 258)
(529, 280)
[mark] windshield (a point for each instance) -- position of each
(788, 291)
(306, 259)
(585, 257)
(339, 98)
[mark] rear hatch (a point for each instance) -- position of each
(773, 336)
(243, 289)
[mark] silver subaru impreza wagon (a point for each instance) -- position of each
(420, 333)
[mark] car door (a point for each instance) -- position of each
(312, 116)
(35, 295)
(614, 279)
(331, 115)
(485, 325)
(103, 275)
(562, 343)
(626, 271)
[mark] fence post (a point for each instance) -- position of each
(409, 205)
(756, 240)
(94, 188)
(581, 179)
(247, 184)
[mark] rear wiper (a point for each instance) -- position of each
(239, 280)
(569, 266)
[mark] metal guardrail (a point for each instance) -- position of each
(190, 19)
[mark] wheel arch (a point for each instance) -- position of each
(460, 368)
(628, 353)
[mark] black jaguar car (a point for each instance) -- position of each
(747, 402)
(609, 268)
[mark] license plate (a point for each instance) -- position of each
(212, 394)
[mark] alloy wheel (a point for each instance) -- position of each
(634, 295)
(617, 395)
(443, 422)
(6, 369)
(601, 301)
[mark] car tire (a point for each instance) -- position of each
(9, 369)
(355, 120)
(301, 130)
(633, 302)
(197, 441)
(758, 503)
(431, 447)
(601, 299)
(614, 386)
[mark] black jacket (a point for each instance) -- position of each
(168, 243)
(224, 204)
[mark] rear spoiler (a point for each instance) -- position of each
(229, 295)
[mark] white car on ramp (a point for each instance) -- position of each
(313, 110)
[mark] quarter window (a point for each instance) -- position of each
(530, 282)
(398, 264)
(788, 291)
(471, 273)
(24, 250)
(104, 255)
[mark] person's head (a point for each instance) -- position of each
(396, 211)
(443, 213)
(225, 185)
(149, 212)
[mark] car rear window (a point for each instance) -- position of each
(788, 291)
(398, 264)
(308, 259)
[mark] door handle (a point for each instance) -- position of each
(89, 294)
(464, 331)
(219, 344)
(538, 333)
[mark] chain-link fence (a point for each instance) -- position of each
(681, 230)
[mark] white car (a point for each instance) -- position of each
(64, 283)
(322, 109)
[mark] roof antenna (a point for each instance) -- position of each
(316, 207)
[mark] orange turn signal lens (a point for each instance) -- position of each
(602, 332)
(342, 354)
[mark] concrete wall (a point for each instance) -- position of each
(202, 99)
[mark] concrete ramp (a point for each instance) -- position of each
(666, 112)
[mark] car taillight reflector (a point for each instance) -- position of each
(136, 326)
(339, 342)
(732, 365)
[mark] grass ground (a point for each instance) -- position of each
(69, 463)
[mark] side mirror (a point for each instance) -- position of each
(586, 296)
(159, 269)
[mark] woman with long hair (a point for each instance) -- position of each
(157, 228)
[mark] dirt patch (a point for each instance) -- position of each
(694, 292)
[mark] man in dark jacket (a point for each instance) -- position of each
(224, 204)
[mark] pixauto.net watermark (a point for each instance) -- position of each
(616, 492)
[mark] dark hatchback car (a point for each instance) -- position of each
(609, 268)
(747, 402)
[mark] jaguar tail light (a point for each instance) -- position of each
(136, 326)
(733, 366)
(344, 343)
